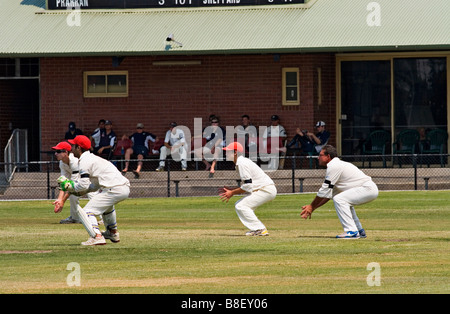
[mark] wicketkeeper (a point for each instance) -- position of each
(97, 173)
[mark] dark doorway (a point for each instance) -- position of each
(19, 109)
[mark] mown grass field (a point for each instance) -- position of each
(198, 246)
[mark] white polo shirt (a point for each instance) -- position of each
(252, 176)
(176, 138)
(98, 171)
(341, 176)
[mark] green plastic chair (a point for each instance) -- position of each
(436, 140)
(376, 145)
(406, 143)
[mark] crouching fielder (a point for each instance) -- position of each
(255, 181)
(347, 186)
(97, 173)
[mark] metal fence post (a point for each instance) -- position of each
(415, 171)
(426, 182)
(301, 184)
(48, 181)
(177, 192)
(293, 174)
(168, 177)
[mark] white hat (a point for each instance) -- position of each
(320, 123)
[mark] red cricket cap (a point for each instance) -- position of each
(63, 146)
(235, 146)
(82, 141)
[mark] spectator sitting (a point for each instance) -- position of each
(95, 136)
(302, 140)
(321, 137)
(310, 142)
(106, 141)
(249, 133)
(140, 148)
(72, 132)
(278, 132)
(175, 144)
(215, 137)
(122, 145)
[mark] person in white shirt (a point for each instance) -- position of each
(272, 141)
(347, 186)
(68, 165)
(97, 173)
(175, 144)
(254, 181)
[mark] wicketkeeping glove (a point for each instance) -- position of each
(65, 184)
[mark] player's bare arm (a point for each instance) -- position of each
(59, 203)
(316, 203)
(227, 193)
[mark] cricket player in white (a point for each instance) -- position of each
(347, 186)
(68, 165)
(174, 143)
(97, 173)
(255, 181)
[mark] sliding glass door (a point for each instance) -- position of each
(392, 94)
(365, 102)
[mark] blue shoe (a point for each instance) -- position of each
(348, 235)
(362, 233)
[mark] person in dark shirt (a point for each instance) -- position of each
(310, 142)
(72, 132)
(140, 147)
(106, 141)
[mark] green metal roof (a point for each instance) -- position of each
(28, 29)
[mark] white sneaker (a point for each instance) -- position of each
(259, 232)
(349, 235)
(94, 241)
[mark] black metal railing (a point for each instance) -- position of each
(294, 174)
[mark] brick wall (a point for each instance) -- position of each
(226, 85)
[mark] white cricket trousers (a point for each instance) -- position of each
(103, 203)
(344, 202)
(245, 207)
(75, 204)
(178, 154)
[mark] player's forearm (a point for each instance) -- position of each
(318, 201)
(238, 191)
(65, 196)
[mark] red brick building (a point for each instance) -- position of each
(158, 95)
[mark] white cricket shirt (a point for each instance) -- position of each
(70, 170)
(173, 139)
(98, 171)
(252, 176)
(341, 176)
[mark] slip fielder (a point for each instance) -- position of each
(347, 186)
(255, 181)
